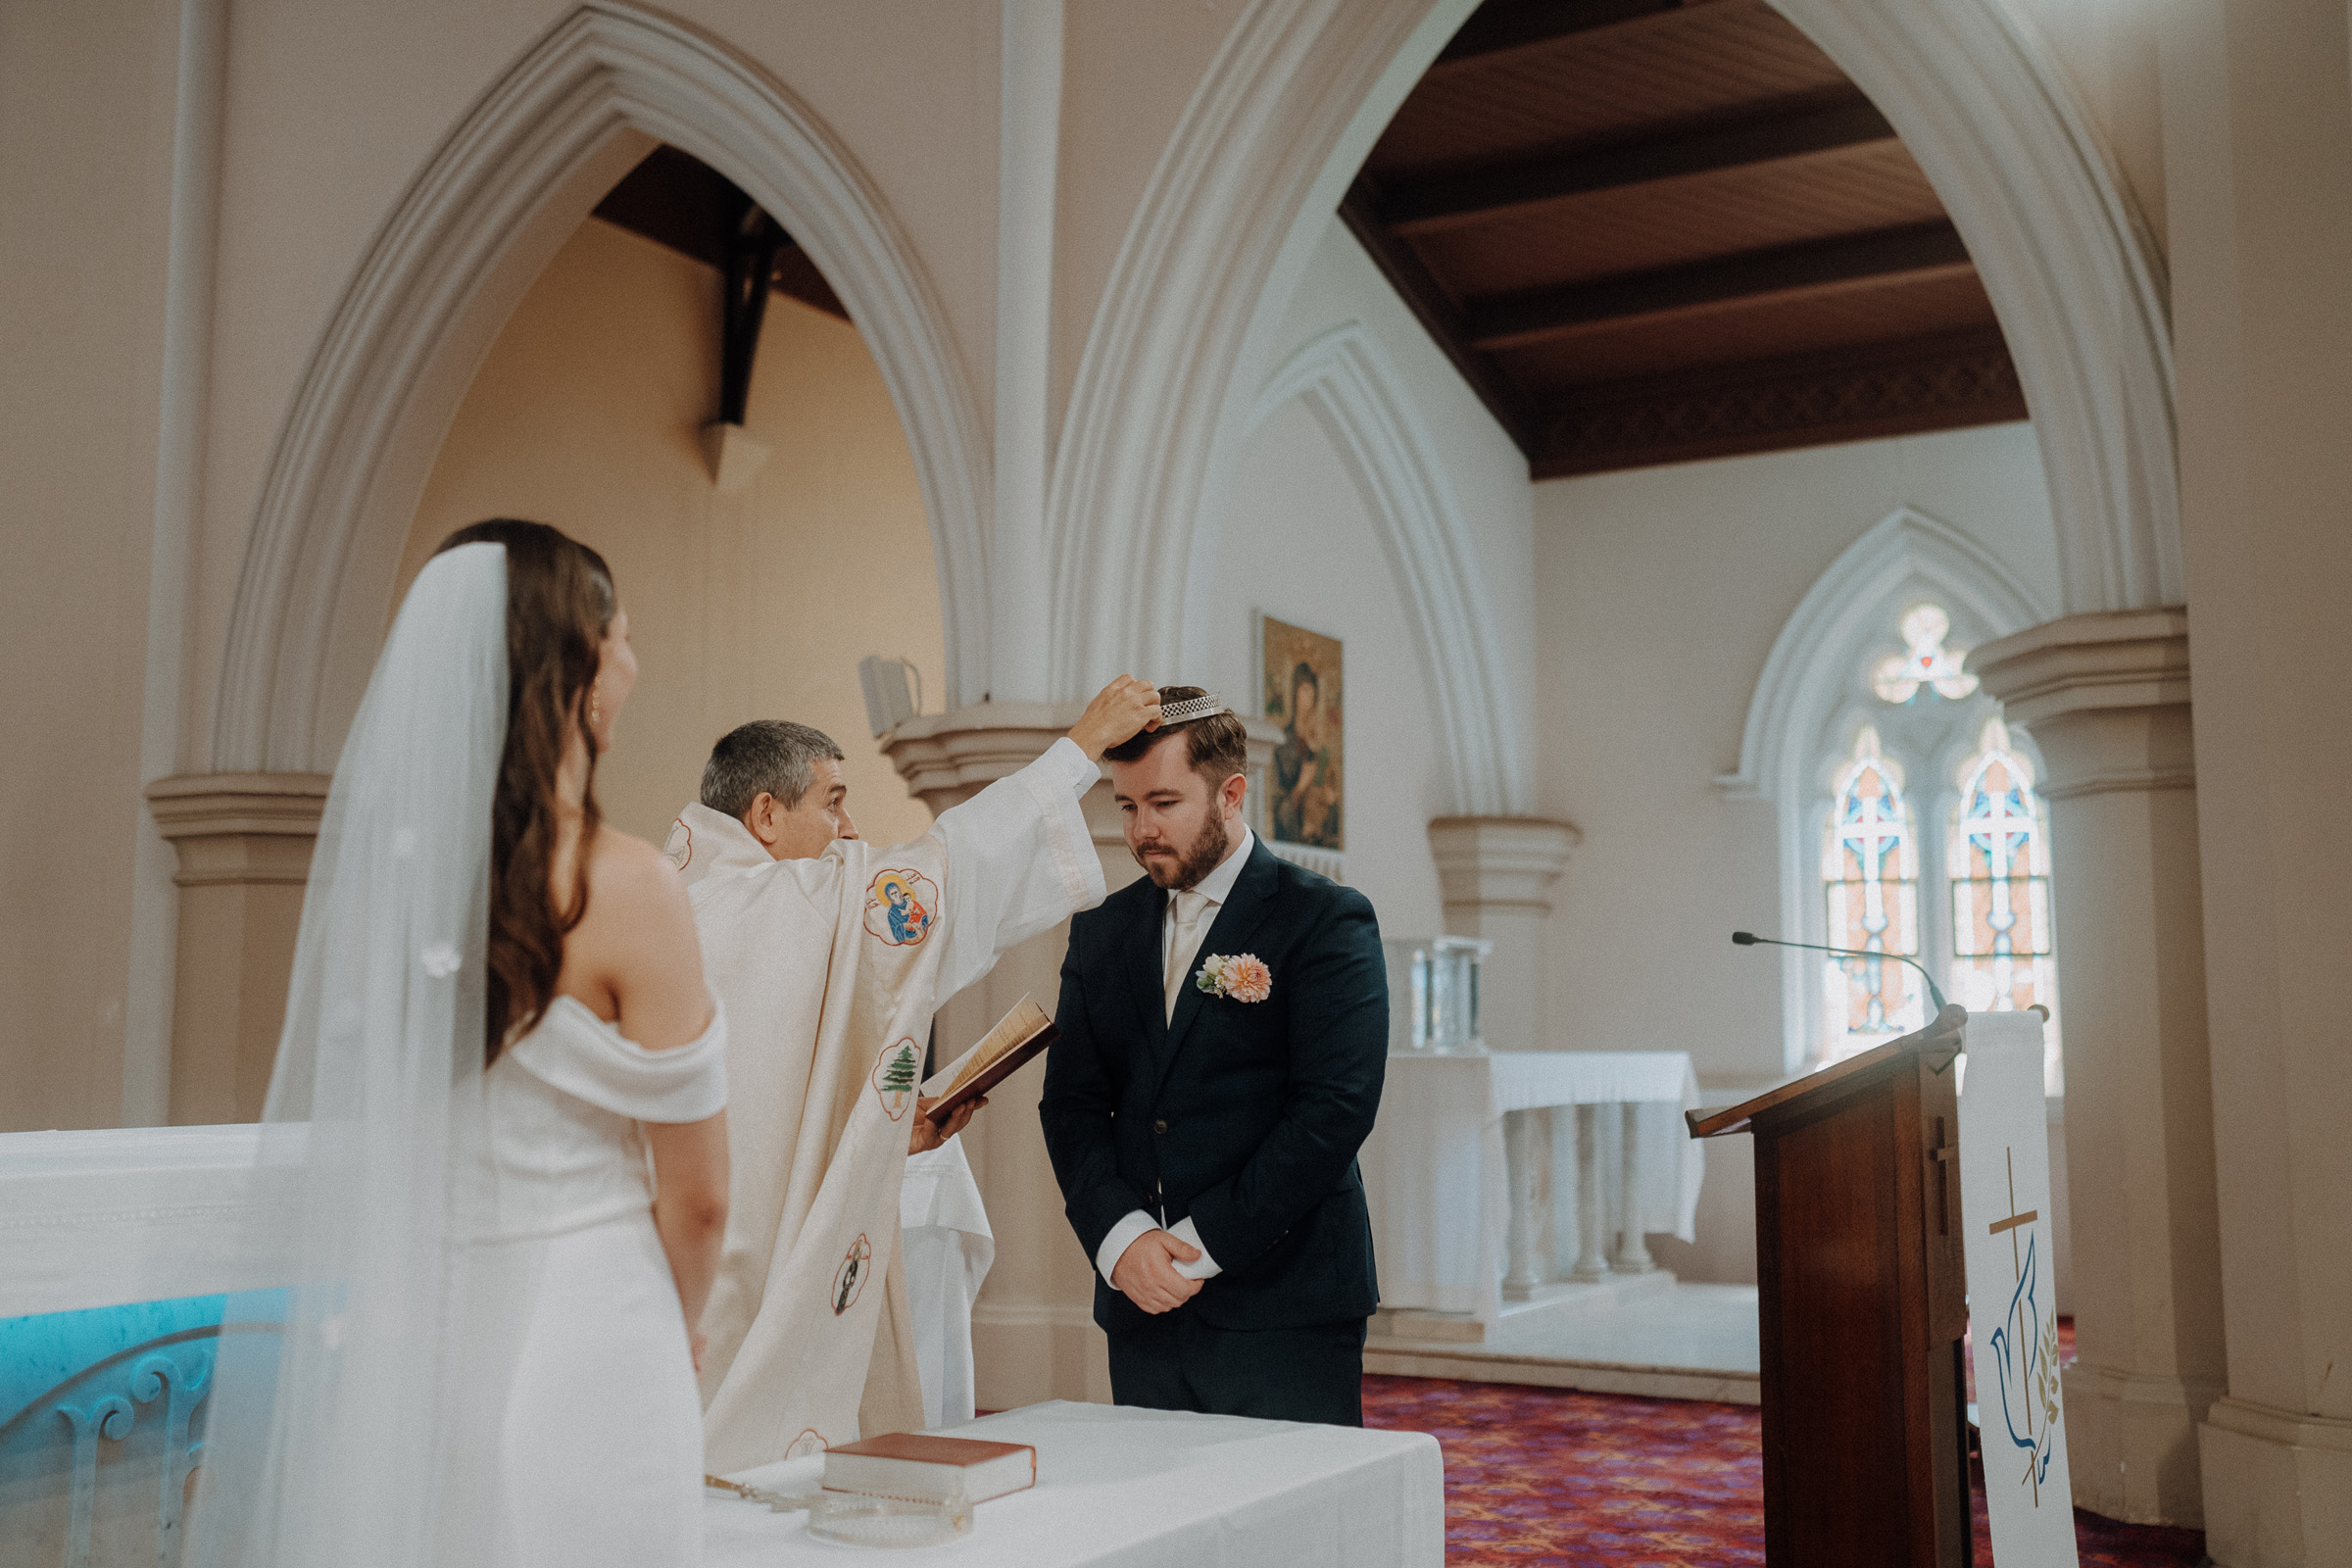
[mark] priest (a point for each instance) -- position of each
(830, 969)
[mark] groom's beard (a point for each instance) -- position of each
(1194, 861)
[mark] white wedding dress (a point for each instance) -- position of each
(482, 1361)
(577, 1381)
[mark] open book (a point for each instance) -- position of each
(1003, 1050)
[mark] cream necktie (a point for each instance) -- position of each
(1184, 940)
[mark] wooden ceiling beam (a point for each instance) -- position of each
(1782, 132)
(1436, 312)
(1881, 255)
(1495, 30)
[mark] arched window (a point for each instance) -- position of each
(1870, 871)
(1984, 925)
(2004, 958)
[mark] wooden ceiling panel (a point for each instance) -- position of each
(1653, 230)
(1676, 63)
(1670, 223)
(1734, 331)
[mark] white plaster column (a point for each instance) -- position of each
(2257, 100)
(244, 846)
(1496, 875)
(200, 113)
(1029, 129)
(2106, 696)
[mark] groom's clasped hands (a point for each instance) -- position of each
(1146, 1273)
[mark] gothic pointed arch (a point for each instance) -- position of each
(507, 185)
(1286, 116)
(1906, 554)
(1347, 381)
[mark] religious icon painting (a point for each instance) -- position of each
(848, 1281)
(900, 906)
(894, 1073)
(806, 1443)
(679, 847)
(1305, 694)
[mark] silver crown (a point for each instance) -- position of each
(1190, 708)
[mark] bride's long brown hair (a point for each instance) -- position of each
(559, 600)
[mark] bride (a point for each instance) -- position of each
(498, 1114)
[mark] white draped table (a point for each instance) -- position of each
(1477, 1177)
(1151, 1488)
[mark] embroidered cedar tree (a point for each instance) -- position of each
(899, 1076)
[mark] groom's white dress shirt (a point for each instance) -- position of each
(1184, 925)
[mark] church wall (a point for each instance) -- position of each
(1298, 546)
(86, 121)
(753, 606)
(1295, 540)
(1659, 593)
(1128, 73)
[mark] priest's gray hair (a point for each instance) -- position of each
(773, 756)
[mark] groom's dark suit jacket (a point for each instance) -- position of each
(1246, 1116)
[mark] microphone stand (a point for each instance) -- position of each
(1749, 939)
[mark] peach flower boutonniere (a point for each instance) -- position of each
(1243, 978)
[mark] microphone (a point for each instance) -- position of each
(1749, 939)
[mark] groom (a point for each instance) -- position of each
(1224, 1032)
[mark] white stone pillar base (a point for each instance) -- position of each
(2278, 1487)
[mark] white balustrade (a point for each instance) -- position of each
(1469, 1182)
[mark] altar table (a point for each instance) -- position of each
(1151, 1489)
(1475, 1186)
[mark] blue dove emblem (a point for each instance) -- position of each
(2025, 1348)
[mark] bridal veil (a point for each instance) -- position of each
(327, 1447)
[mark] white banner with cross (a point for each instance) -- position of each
(2012, 1292)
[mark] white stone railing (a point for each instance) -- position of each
(125, 1256)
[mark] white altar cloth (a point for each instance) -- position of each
(1151, 1488)
(943, 1228)
(1435, 1159)
(124, 1214)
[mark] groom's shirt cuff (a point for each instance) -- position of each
(1134, 1225)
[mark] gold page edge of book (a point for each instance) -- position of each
(1019, 1024)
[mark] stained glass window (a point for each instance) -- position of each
(1998, 867)
(1926, 663)
(1870, 871)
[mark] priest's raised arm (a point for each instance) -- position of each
(831, 956)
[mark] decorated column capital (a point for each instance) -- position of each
(2106, 695)
(1500, 862)
(239, 828)
(244, 847)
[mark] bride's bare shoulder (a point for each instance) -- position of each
(627, 866)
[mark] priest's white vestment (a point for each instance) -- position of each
(830, 969)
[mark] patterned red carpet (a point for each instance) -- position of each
(1554, 1476)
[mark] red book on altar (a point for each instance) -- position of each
(920, 1467)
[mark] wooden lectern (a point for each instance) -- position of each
(1862, 1299)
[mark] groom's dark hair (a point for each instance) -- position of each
(1217, 746)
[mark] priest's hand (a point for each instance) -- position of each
(926, 1135)
(1119, 712)
(1146, 1273)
